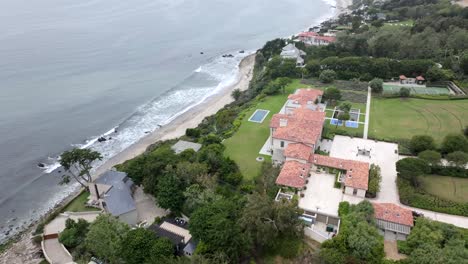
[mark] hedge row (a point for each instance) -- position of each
(449, 171)
(417, 198)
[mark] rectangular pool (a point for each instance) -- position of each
(259, 115)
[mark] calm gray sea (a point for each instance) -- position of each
(70, 71)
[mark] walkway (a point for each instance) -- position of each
(366, 125)
(55, 252)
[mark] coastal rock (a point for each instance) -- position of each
(147, 132)
(101, 139)
(241, 51)
(202, 52)
(41, 165)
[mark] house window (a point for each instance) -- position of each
(282, 144)
(355, 191)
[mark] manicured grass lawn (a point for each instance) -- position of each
(78, 204)
(403, 118)
(244, 146)
(448, 188)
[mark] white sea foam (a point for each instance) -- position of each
(164, 109)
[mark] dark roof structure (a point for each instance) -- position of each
(118, 199)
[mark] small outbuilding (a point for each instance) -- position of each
(420, 80)
(394, 221)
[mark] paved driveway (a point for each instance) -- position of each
(55, 252)
(146, 207)
(384, 154)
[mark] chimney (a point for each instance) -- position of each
(283, 122)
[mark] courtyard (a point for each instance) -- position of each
(320, 195)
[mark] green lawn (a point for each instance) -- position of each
(403, 118)
(448, 188)
(78, 204)
(244, 146)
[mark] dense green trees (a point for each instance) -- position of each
(411, 168)
(332, 94)
(454, 142)
(105, 237)
(169, 193)
(142, 246)
(358, 240)
(435, 242)
(74, 233)
(376, 85)
(458, 158)
(404, 92)
(327, 76)
(216, 225)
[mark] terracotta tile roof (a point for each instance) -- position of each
(402, 77)
(302, 126)
(298, 151)
(303, 96)
(420, 78)
(393, 213)
(293, 174)
(326, 38)
(307, 34)
(357, 172)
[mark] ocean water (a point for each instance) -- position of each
(72, 71)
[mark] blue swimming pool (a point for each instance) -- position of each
(352, 124)
(334, 121)
(258, 116)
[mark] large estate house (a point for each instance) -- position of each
(321, 181)
(294, 138)
(311, 38)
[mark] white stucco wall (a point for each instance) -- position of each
(360, 192)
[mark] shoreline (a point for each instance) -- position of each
(189, 119)
(20, 249)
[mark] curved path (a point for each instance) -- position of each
(54, 251)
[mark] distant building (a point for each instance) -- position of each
(314, 39)
(394, 221)
(182, 145)
(291, 52)
(176, 231)
(112, 192)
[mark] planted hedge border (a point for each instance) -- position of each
(449, 171)
(419, 199)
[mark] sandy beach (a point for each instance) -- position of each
(189, 119)
(24, 251)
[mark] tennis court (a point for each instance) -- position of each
(415, 89)
(259, 115)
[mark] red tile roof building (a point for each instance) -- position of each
(293, 174)
(357, 172)
(298, 151)
(393, 213)
(302, 129)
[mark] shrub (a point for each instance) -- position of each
(404, 92)
(403, 247)
(420, 143)
(458, 158)
(454, 142)
(343, 209)
(411, 168)
(376, 85)
(431, 156)
(375, 178)
(449, 171)
(192, 132)
(327, 76)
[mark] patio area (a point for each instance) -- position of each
(320, 195)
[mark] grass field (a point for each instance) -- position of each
(448, 188)
(78, 204)
(244, 145)
(403, 118)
